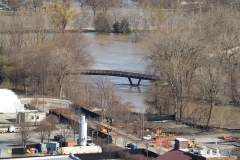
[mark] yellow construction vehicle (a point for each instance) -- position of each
(158, 133)
(192, 144)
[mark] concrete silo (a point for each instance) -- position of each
(82, 139)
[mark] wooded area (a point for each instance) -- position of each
(193, 49)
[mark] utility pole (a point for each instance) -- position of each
(92, 136)
(142, 124)
(109, 145)
(147, 145)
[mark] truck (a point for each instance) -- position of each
(147, 137)
(59, 138)
(13, 129)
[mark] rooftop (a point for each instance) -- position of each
(181, 139)
(171, 155)
(64, 157)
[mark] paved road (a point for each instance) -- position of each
(49, 103)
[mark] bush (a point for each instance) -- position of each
(122, 27)
(117, 27)
(101, 24)
(125, 26)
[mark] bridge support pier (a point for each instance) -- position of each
(135, 85)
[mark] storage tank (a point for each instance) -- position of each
(82, 139)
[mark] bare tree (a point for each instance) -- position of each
(45, 127)
(95, 5)
(148, 16)
(159, 99)
(89, 95)
(105, 91)
(39, 23)
(82, 20)
(74, 127)
(25, 132)
(65, 132)
(36, 61)
(175, 58)
(15, 39)
(72, 55)
(211, 85)
(224, 41)
(135, 22)
(120, 114)
(42, 130)
(52, 121)
(106, 4)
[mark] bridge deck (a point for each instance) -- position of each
(118, 74)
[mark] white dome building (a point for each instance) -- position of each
(9, 102)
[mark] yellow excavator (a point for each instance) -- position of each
(158, 133)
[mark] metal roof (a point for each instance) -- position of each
(176, 155)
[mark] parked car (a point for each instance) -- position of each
(147, 137)
(59, 138)
(5, 8)
(132, 145)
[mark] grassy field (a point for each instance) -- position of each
(223, 116)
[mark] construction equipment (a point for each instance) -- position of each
(192, 144)
(158, 133)
(171, 135)
(108, 130)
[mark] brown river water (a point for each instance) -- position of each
(117, 52)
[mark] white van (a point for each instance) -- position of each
(13, 129)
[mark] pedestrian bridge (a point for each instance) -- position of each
(128, 75)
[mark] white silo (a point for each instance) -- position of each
(82, 138)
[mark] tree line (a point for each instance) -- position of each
(195, 54)
(196, 57)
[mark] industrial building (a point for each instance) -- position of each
(183, 152)
(33, 116)
(12, 111)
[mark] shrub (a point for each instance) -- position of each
(125, 26)
(122, 27)
(117, 27)
(101, 24)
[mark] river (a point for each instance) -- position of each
(117, 52)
